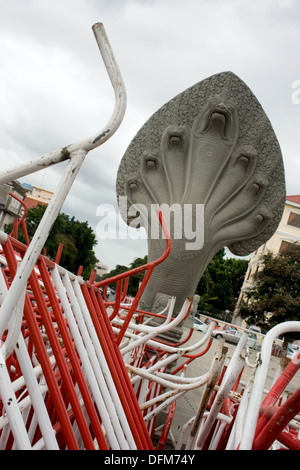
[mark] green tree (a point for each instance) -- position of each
(218, 288)
(221, 282)
(78, 240)
(135, 280)
(276, 296)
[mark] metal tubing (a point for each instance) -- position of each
(176, 321)
(277, 389)
(100, 360)
(15, 321)
(166, 428)
(289, 440)
(218, 363)
(166, 399)
(76, 154)
(12, 408)
(29, 378)
(153, 331)
(40, 237)
(259, 381)
(91, 366)
(22, 219)
(61, 362)
(44, 359)
(170, 396)
(65, 295)
(277, 423)
(74, 360)
(235, 366)
(50, 377)
(116, 354)
(96, 140)
(105, 337)
(192, 357)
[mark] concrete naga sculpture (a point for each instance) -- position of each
(210, 159)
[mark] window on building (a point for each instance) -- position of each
(284, 246)
(294, 220)
(255, 276)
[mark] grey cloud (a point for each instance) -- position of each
(54, 88)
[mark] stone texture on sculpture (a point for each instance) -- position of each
(214, 146)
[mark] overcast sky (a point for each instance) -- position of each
(54, 89)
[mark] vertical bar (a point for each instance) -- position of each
(40, 237)
(34, 393)
(116, 364)
(42, 353)
(236, 364)
(134, 305)
(86, 435)
(118, 411)
(51, 381)
(63, 291)
(12, 408)
(129, 389)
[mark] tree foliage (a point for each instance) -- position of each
(218, 288)
(276, 296)
(78, 240)
(135, 280)
(221, 282)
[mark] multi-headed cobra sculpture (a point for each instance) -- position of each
(211, 157)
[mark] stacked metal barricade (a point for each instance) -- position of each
(78, 371)
(81, 372)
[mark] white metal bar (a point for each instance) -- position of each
(237, 430)
(76, 154)
(161, 328)
(218, 434)
(29, 377)
(169, 396)
(184, 429)
(167, 399)
(12, 408)
(4, 436)
(15, 320)
(94, 141)
(167, 360)
(71, 313)
(235, 366)
(144, 337)
(36, 396)
(38, 241)
(103, 370)
(173, 349)
(206, 395)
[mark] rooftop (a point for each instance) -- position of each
(295, 199)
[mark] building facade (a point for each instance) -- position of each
(101, 268)
(10, 207)
(36, 195)
(288, 232)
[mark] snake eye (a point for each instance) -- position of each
(133, 186)
(150, 161)
(151, 164)
(175, 141)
